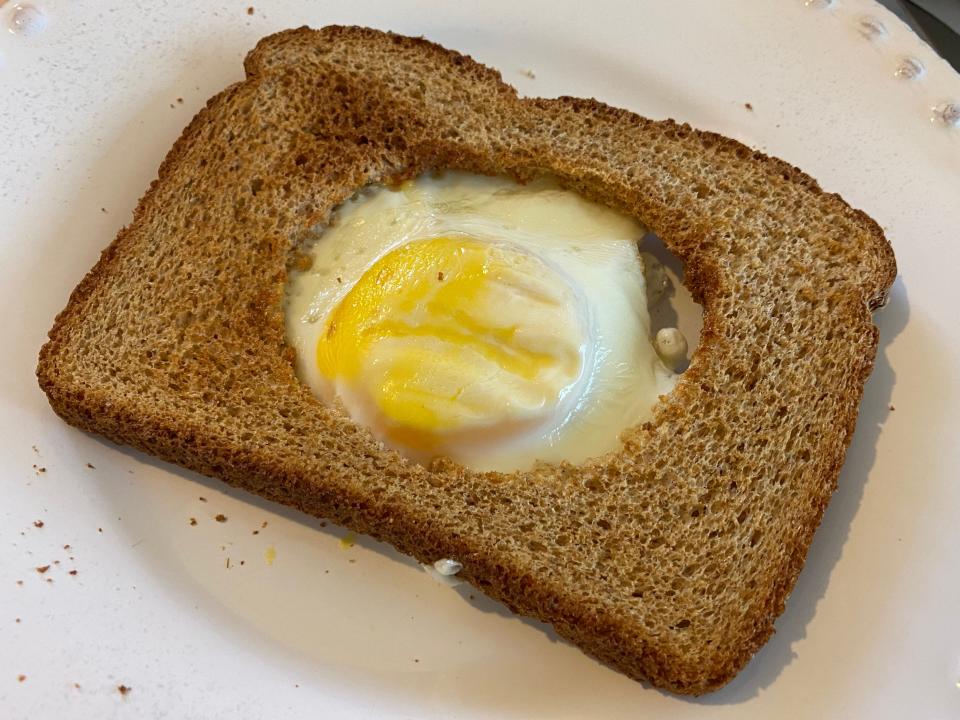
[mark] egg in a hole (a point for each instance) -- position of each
(473, 317)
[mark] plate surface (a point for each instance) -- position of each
(272, 614)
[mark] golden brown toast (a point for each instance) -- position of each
(669, 560)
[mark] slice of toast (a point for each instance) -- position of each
(669, 560)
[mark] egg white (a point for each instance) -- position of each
(593, 247)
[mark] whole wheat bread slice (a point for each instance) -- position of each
(669, 560)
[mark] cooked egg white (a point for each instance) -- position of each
(494, 323)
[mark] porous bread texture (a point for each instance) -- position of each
(668, 560)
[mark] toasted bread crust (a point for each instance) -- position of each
(669, 560)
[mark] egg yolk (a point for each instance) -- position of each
(449, 338)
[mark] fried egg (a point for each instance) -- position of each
(472, 317)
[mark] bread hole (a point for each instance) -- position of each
(603, 524)
(537, 546)
(256, 185)
(594, 483)
(676, 309)
(702, 191)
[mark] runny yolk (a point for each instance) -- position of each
(449, 336)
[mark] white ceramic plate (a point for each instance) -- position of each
(91, 97)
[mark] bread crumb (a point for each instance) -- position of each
(66, 547)
(440, 276)
(49, 580)
(263, 524)
(256, 532)
(56, 562)
(323, 523)
(77, 685)
(193, 521)
(103, 210)
(99, 530)
(18, 620)
(38, 523)
(35, 449)
(243, 562)
(228, 563)
(528, 73)
(19, 582)
(748, 106)
(73, 572)
(892, 408)
(348, 541)
(202, 499)
(41, 470)
(123, 689)
(21, 678)
(250, 10)
(416, 660)
(180, 100)
(89, 465)
(42, 569)
(220, 517)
